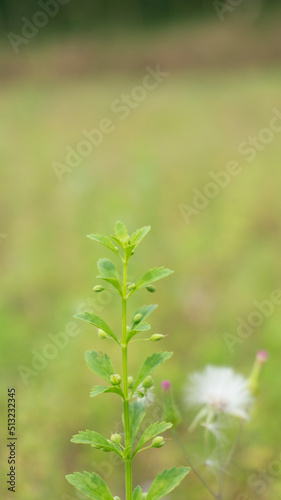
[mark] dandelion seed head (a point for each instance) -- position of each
(221, 391)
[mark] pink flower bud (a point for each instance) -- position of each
(166, 385)
(262, 356)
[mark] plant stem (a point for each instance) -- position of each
(213, 493)
(128, 459)
(228, 461)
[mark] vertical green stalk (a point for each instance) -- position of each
(178, 441)
(128, 459)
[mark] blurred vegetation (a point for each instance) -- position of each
(144, 12)
(224, 260)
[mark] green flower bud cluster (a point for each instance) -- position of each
(115, 379)
(116, 438)
(131, 286)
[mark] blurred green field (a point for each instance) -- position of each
(224, 260)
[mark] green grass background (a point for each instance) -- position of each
(226, 258)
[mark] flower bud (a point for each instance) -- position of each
(171, 413)
(156, 337)
(116, 438)
(137, 318)
(158, 442)
(151, 288)
(262, 356)
(102, 334)
(148, 382)
(115, 379)
(254, 379)
(144, 496)
(166, 385)
(98, 288)
(116, 498)
(132, 286)
(130, 382)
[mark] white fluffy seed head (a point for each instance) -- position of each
(220, 390)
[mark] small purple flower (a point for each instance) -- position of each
(262, 356)
(166, 385)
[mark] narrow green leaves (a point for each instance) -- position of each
(140, 315)
(121, 234)
(138, 235)
(149, 366)
(137, 413)
(91, 485)
(121, 231)
(100, 364)
(152, 275)
(137, 493)
(104, 240)
(102, 389)
(96, 440)
(109, 273)
(165, 482)
(96, 321)
(143, 327)
(137, 324)
(151, 432)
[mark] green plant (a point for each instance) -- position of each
(123, 385)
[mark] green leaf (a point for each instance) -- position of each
(149, 366)
(97, 440)
(96, 321)
(129, 250)
(166, 482)
(91, 485)
(104, 240)
(138, 235)
(137, 493)
(151, 432)
(121, 232)
(153, 275)
(100, 364)
(137, 413)
(143, 327)
(109, 273)
(102, 389)
(142, 312)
